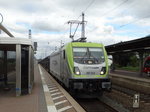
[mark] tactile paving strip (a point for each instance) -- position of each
(59, 102)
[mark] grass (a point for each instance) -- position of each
(129, 68)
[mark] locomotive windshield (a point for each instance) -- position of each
(86, 55)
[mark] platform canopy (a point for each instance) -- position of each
(6, 40)
(9, 43)
(24, 63)
(136, 45)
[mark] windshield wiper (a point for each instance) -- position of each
(90, 55)
(83, 57)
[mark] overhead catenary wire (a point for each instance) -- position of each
(80, 16)
(117, 7)
(122, 3)
(110, 11)
(88, 6)
(84, 12)
(131, 4)
(84, 9)
(134, 21)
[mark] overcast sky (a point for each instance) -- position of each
(108, 21)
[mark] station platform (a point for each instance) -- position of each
(47, 96)
(131, 80)
(131, 74)
(34, 102)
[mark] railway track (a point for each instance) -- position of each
(101, 104)
(143, 97)
(119, 100)
(95, 105)
(124, 96)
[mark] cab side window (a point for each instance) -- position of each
(64, 55)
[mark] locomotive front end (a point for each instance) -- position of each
(90, 71)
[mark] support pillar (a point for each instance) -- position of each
(5, 68)
(113, 63)
(18, 70)
(141, 63)
(29, 74)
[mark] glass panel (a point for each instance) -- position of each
(1, 54)
(97, 54)
(11, 56)
(1, 64)
(79, 52)
(88, 55)
(24, 68)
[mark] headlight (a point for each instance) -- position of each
(76, 71)
(103, 71)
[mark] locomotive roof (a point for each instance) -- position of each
(77, 44)
(85, 44)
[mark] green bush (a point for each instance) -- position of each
(129, 68)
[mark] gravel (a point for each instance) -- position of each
(127, 101)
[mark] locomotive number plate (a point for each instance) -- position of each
(90, 73)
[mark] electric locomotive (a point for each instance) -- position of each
(81, 66)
